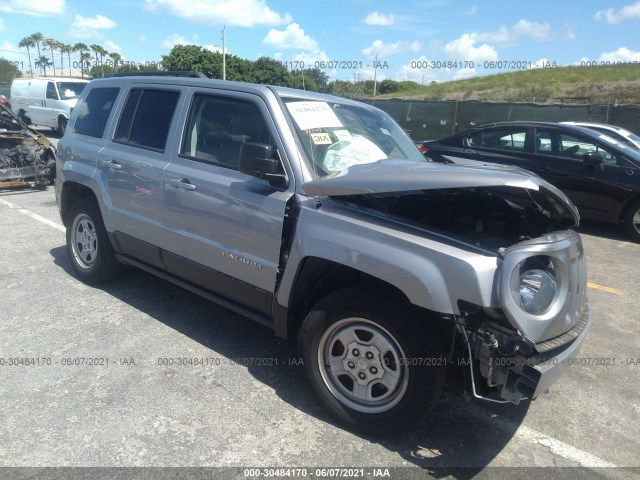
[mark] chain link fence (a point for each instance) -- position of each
(425, 120)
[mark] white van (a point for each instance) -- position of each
(46, 101)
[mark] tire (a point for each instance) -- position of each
(632, 221)
(62, 126)
(88, 244)
(393, 371)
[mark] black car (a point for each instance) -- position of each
(600, 175)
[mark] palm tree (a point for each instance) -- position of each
(116, 57)
(84, 57)
(68, 49)
(97, 51)
(81, 47)
(60, 47)
(37, 38)
(27, 42)
(50, 44)
(43, 62)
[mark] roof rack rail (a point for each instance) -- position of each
(161, 73)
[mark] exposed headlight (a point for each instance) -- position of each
(537, 289)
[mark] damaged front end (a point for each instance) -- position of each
(25, 155)
(518, 344)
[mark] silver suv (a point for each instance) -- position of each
(319, 218)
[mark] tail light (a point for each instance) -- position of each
(423, 149)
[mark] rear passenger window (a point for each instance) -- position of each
(505, 139)
(146, 118)
(217, 127)
(94, 112)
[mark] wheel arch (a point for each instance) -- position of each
(71, 193)
(318, 277)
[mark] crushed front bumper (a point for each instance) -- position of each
(542, 370)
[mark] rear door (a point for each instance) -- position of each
(132, 164)
(508, 145)
(223, 227)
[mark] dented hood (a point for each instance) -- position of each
(394, 176)
(406, 175)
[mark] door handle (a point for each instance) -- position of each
(112, 164)
(182, 183)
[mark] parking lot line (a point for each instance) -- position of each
(602, 288)
(35, 216)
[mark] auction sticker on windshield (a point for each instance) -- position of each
(310, 115)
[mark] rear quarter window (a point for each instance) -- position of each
(94, 112)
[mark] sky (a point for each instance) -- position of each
(419, 40)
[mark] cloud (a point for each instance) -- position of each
(238, 13)
(291, 37)
(112, 47)
(464, 49)
(2, 24)
(34, 8)
(625, 13)
(175, 39)
(623, 54)
(377, 18)
(570, 34)
(522, 29)
(85, 28)
(473, 10)
(13, 53)
(213, 48)
(387, 49)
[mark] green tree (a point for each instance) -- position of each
(82, 49)
(271, 72)
(28, 42)
(68, 49)
(43, 62)
(37, 39)
(388, 86)
(99, 52)
(189, 57)
(51, 45)
(115, 59)
(8, 71)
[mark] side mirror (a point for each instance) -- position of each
(593, 158)
(256, 159)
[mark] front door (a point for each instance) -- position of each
(224, 228)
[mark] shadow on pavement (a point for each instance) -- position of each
(457, 440)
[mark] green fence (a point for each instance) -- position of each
(433, 120)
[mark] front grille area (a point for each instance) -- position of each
(568, 336)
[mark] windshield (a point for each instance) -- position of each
(336, 136)
(70, 90)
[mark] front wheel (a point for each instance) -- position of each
(632, 221)
(370, 361)
(88, 245)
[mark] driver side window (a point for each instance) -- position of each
(217, 127)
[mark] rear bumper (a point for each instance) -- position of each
(543, 370)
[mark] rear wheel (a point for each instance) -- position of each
(370, 362)
(632, 221)
(88, 245)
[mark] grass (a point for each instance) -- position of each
(601, 84)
